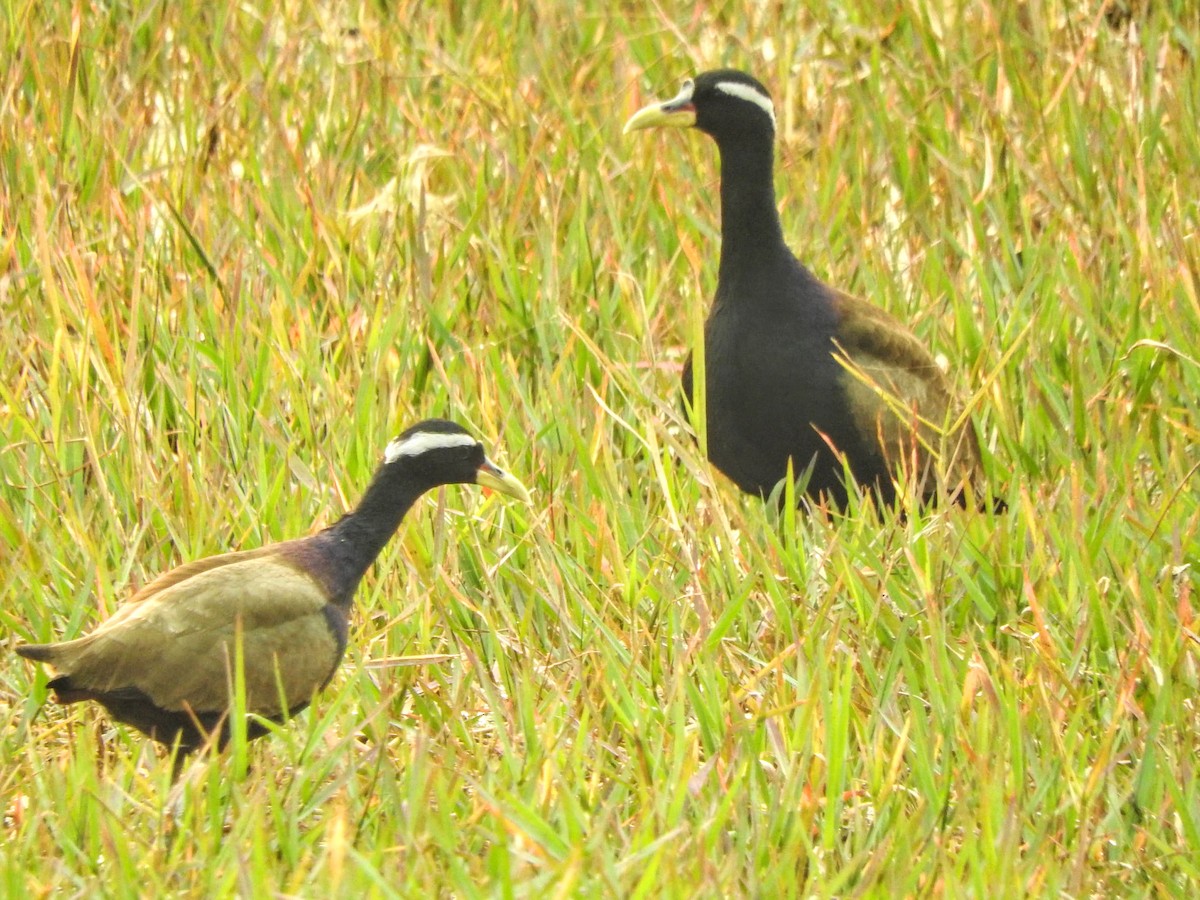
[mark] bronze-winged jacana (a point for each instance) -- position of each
(163, 662)
(794, 369)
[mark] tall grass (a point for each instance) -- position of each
(244, 244)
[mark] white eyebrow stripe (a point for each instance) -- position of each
(746, 92)
(423, 442)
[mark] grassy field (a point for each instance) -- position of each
(242, 249)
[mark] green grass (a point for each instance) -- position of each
(240, 250)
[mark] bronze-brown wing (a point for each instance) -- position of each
(898, 393)
(177, 647)
(188, 570)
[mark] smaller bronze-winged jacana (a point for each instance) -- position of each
(794, 369)
(163, 662)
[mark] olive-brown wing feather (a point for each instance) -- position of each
(178, 646)
(191, 569)
(897, 391)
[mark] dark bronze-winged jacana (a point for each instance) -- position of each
(795, 370)
(164, 662)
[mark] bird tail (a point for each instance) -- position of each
(38, 652)
(65, 691)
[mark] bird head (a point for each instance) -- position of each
(723, 103)
(440, 452)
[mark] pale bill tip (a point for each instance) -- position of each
(492, 476)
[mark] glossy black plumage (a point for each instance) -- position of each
(794, 369)
(164, 662)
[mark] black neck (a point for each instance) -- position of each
(353, 542)
(751, 236)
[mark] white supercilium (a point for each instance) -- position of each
(746, 92)
(423, 442)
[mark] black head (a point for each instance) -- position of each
(437, 452)
(725, 103)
